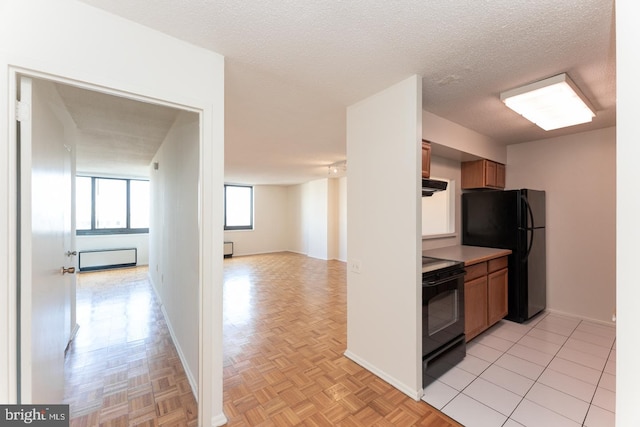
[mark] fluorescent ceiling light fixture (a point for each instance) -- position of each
(551, 103)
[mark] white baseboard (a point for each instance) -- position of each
(235, 255)
(153, 286)
(192, 381)
(74, 332)
(239, 254)
(218, 420)
(72, 336)
(575, 316)
(412, 393)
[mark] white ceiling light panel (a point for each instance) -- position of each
(551, 103)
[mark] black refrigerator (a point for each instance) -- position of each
(512, 219)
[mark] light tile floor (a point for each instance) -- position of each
(551, 371)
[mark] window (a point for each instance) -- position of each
(238, 207)
(111, 206)
(438, 211)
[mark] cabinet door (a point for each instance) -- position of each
(472, 174)
(490, 174)
(501, 175)
(475, 307)
(497, 296)
(426, 159)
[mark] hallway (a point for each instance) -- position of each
(122, 368)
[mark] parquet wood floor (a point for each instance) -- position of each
(284, 339)
(122, 368)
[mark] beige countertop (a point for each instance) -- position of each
(469, 254)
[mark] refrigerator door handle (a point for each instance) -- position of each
(530, 245)
(530, 211)
(526, 257)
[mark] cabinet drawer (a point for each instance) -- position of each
(498, 264)
(476, 270)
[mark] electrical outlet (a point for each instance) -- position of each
(356, 266)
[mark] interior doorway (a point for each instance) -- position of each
(185, 129)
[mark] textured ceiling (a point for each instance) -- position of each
(117, 136)
(293, 66)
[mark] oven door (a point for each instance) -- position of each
(442, 312)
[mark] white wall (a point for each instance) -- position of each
(84, 45)
(452, 135)
(308, 218)
(628, 212)
(271, 229)
(116, 241)
(577, 172)
(383, 212)
(174, 223)
(342, 219)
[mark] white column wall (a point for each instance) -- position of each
(316, 219)
(295, 218)
(383, 212)
(333, 225)
(342, 219)
(628, 212)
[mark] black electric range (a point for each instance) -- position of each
(443, 340)
(430, 264)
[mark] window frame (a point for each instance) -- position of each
(447, 200)
(251, 213)
(93, 231)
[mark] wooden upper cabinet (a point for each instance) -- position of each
(426, 159)
(501, 175)
(483, 174)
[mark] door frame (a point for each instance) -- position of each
(209, 339)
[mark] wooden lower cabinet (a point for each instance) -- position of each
(485, 296)
(497, 304)
(475, 307)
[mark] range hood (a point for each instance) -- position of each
(430, 186)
